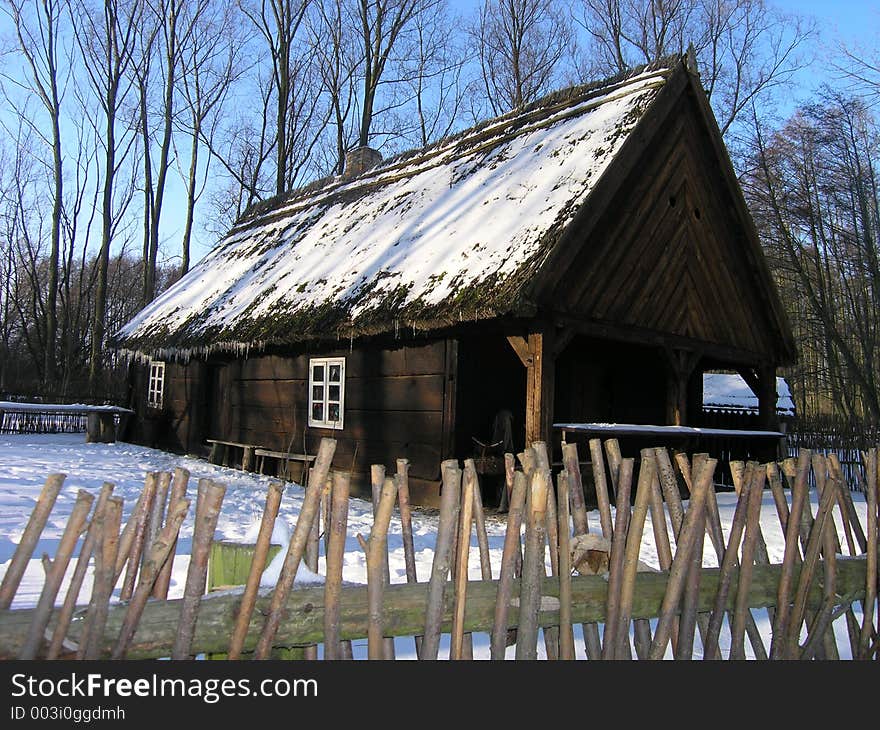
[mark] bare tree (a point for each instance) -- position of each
(105, 35)
(744, 48)
(383, 25)
(434, 75)
(814, 192)
(860, 68)
(38, 31)
(209, 67)
(521, 45)
(336, 49)
(279, 22)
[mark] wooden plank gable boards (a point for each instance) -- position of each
(477, 277)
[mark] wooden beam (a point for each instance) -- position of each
(643, 336)
(752, 380)
(520, 346)
(767, 397)
(302, 624)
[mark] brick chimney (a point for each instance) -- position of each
(359, 160)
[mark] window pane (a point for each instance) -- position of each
(333, 392)
(317, 411)
(317, 392)
(318, 373)
(333, 412)
(335, 373)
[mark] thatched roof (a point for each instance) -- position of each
(450, 233)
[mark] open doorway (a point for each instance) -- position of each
(490, 403)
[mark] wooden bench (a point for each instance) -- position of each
(220, 453)
(285, 460)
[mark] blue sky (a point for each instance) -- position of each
(855, 23)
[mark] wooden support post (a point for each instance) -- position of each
(680, 365)
(536, 352)
(247, 458)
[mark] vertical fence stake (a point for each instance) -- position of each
(82, 563)
(631, 556)
(29, 538)
(178, 492)
(613, 640)
(209, 500)
(105, 561)
(450, 498)
(296, 548)
(681, 562)
(159, 554)
(566, 635)
(533, 561)
(376, 581)
(871, 580)
(338, 526)
(512, 548)
(456, 644)
(52, 584)
(258, 564)
(791, 556)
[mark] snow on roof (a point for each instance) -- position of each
(729, 391)
(446, 234)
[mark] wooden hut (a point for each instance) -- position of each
(584, 259)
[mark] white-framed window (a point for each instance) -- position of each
(156, 384)
(326, 392)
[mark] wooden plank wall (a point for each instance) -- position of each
(394, 407)
(602, 381)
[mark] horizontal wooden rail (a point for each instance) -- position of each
(404, 610)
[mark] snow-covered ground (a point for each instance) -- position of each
(26, 460)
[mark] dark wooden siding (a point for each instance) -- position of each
(394, 406)
(179, 425)
(602, 381)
